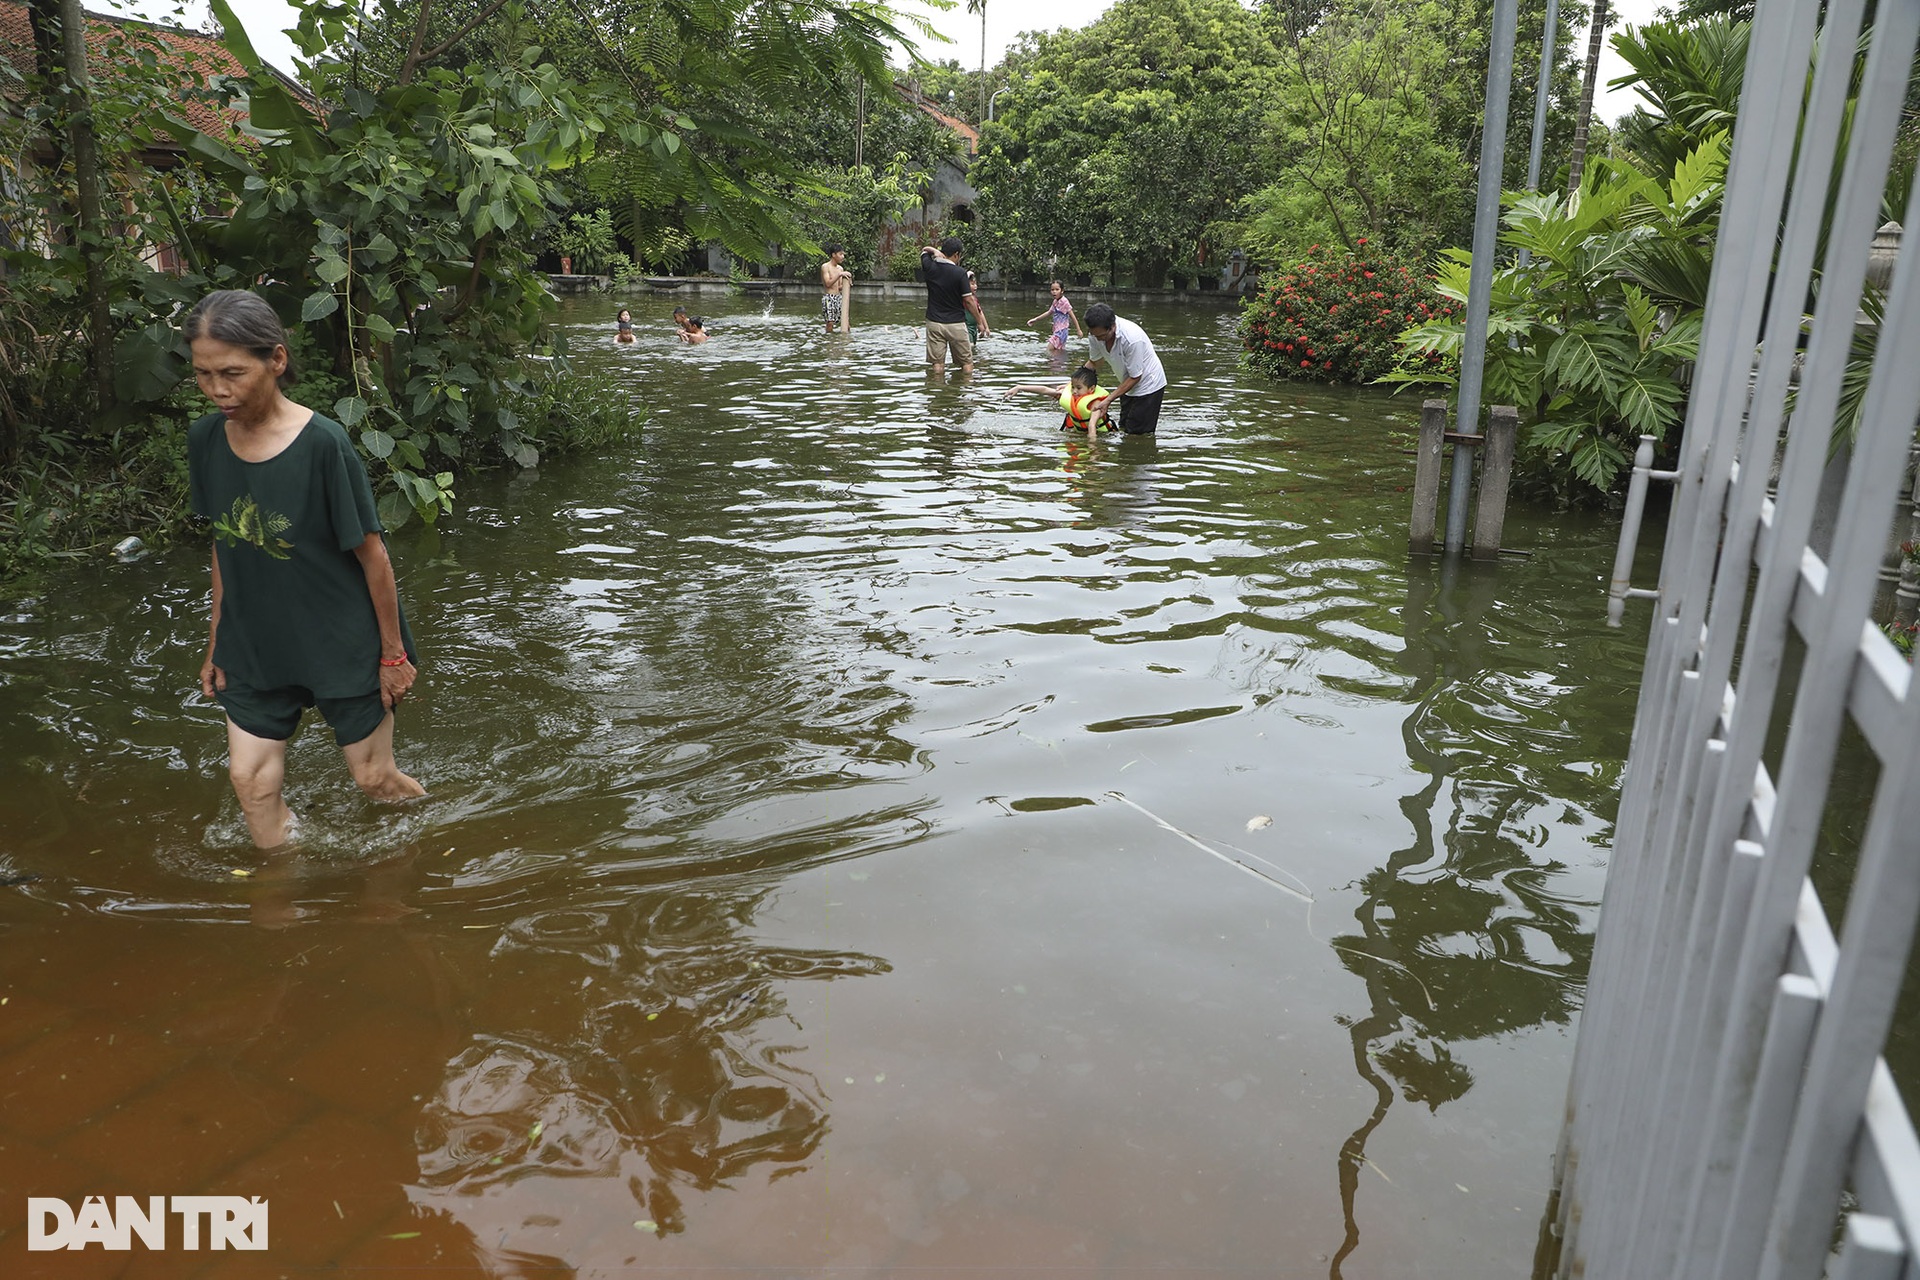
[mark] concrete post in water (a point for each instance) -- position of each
(1486, 225)
(1496, 472)
(1426, 476)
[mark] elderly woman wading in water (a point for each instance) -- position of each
(305, 610)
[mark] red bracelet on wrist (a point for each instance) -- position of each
(400, 661)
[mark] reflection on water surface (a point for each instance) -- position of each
(835, 675)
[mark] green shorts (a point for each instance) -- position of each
(275, 713)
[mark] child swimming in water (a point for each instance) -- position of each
(692, 328)
(623, 326)
(1082, 396)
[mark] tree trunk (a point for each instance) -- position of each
(87, 186)
(1595, 37)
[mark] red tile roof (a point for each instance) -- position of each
(194, 57)
(966, 132)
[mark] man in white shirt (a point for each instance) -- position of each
(1126, 346)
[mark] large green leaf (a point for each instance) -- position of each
(1680, 341)
(148, 363)
(209, 149)
(271, 106)
(1641, 313)
(1648, 401)
(1583, 359)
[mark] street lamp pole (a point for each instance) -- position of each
(983, 61)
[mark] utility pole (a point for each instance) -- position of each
(980, 7)
(1542, 91)
(1486, 226)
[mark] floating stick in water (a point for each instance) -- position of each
(1232, 862)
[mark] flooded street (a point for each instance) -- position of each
(868, 832)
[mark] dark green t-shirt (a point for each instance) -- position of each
(294, 607)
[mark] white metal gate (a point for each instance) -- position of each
(1729, 1114)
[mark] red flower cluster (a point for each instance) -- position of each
(1340, 309)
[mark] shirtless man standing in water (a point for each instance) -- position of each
(835, 282)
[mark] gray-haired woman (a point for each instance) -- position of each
(305, 609)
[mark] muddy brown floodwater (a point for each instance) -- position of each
(829, 867)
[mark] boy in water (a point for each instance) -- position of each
(835, 283)
(1084, 399)
(692, 328)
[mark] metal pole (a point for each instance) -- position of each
(1486, 225)
(1460, 488)
(983, 60)
(1541, 92)
(1623, 550)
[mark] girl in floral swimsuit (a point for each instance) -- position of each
(1063, 313)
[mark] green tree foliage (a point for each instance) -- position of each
(1589, 337)
(852, 207)
(1137, 131)
(81, 464)
(47, 329)
(393, 209)
(1374, 128)
(398, 231)
(855, 205)
(1357, 138)
(1689, 78)
(703, 99)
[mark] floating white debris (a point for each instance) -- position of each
(1258, 821)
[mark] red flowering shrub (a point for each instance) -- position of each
(1333, 316)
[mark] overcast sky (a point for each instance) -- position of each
(1006, 19)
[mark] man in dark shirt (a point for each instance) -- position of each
(949, 299)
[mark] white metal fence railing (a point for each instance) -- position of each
(1729, 1115)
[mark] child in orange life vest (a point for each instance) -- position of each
(1083, 398)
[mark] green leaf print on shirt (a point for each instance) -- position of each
(247, 523)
